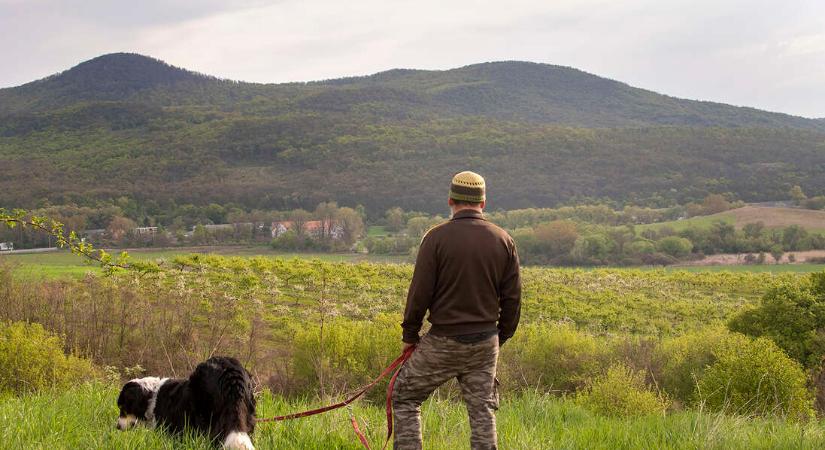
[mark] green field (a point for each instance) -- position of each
(306, 327)
(377, 230)
(58, 264)
(693, 222)
(84, 417)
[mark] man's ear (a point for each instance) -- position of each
(450, 201)
(483, 204)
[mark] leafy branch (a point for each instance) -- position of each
(110, 264)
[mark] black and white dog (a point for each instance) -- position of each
(216, 399)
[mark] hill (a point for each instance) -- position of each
(129, 125)
(772, 217)
(516, 90)
(115, 76)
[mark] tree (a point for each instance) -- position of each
(777, 252)
(792, 237)
(592, 248)
(325, 212)
(793, 316)
(677, 247)
(753, 230)
(797, 195)
(641, 247)
(556, 238)
(216, 213)
(395, 219)
(299, 219)
(620, 237)
(119, 227)
(417, 226)
(723, 237)
(351, 224)
(200, 235)
(715, 203)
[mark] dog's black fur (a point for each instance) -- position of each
(216, 399)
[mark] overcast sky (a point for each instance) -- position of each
(769, 54)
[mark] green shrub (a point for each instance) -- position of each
(675, 246)
(755, 377)
(793, 316)
(32, 359)
(348, 354)
(555, 357)
(686, 357)
(641, 247)
(621, 391)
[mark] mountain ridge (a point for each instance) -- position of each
(505, 90)
(127, 126)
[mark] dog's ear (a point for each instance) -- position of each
(133, 400)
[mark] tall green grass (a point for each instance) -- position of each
(84, 417)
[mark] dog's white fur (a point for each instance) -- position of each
(151, 384)
(124, 423)
(238, 441)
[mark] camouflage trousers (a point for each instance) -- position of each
(435, 361)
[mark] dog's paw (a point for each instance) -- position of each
(238, 440)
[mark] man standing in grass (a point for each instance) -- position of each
(467, 277)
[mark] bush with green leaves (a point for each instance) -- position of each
(686, 357)
(32, 359)
(754, 377)
(621, 391)
(677, 247)
(793, 316)
(342, 354)
(553, 357)
(641, 247)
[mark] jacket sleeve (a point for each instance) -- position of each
(510, 298)
(422, 287)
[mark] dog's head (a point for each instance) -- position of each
(137, 400)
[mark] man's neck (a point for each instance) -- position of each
(456, 210)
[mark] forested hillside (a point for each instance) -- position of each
(128, 125)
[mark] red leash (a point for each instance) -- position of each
(394, 366)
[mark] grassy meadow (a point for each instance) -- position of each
(310, 330)
(84, 417)
(62, 263)
(58, 264)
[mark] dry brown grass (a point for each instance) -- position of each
(779, 217)
(727, 259)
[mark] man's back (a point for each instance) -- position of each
(465, 267)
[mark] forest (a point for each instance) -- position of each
(173, 137)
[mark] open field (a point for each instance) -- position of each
(65, 264)
(772, 217)
(84, 417)
(377, 230)
(59, 264)
(306, 328)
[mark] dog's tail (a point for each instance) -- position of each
(233, 402)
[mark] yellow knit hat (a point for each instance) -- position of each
(468, 187)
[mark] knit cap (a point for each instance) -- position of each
(468, 187)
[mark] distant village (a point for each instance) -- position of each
(327, 230)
